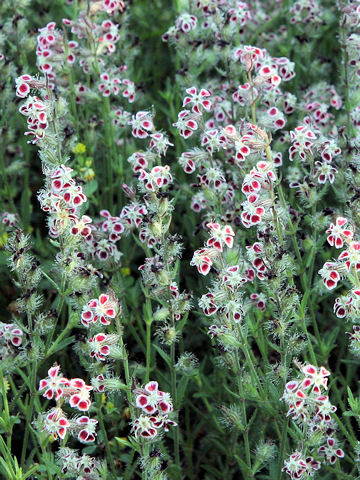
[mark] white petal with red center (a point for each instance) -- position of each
(309, 370)
(142, 401)
(152, 387)
(42, 384)
(53, 371)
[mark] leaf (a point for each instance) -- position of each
(25, 207)
(64, 343)
(174, 472)
(163, 355)
(90, 187)
(5, 470)
(244, 467)
(30, 471)
(129, 442)
(181, 389)
(180, 325)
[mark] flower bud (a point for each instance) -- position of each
(163, 206)
(308, 244)
(161, 314)
(232, 417)
(187, 364)
(265, 451)
(156, 229)
(167, 335)
(210, 195)
(163, 278)
(114, 384)
(116, 352)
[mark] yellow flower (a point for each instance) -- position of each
(125, 271)
(6, 384)
(3, 239)
(123, 441)
(89, 174)
(79, 149)
(110, 407)
(126, 413)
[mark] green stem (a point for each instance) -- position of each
(243, 411)
(110, 155)
(109, 455)
(126, 370)
(148, 350)
(282, 447)
(250, 363)
(353, 442)
(272, 195)
(346, 80)
(29, 411)
(174, 396)
(53, 283)
(59, 309)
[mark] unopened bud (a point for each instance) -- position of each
(161, 314)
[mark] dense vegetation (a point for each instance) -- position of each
(179, 246)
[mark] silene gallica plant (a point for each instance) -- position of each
(180, 239)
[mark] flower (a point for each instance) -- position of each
(197, 100)
(79, 149)
(185, 22)
(330, 275)
(81, 226)
(157, 178)
(11, 333)
(186, 123)
(100, 345)
(103, 309)
(80, 399)
(87, 429)
(338, 233)
(220, 236)
(144, 426)
(213, 140)
(141, 124)
(152, 400)
(109, 84)
(315, 378)
(330, 452)
(56, 423)
(202, 259)
(54, 383)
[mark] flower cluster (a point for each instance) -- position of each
(103, 309)
(77, 394)
(306, 145)
(297, 466)
(82, 466)
(75, 391)
(37, 112)
(256, 186)
(232, 107)
(52, 51)
(309, 406)
(183, 25)
(11, 334)
(348, 262)
(62, 199)
(305, 11)
(9, 219)
(155, 405)
(105, 234)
